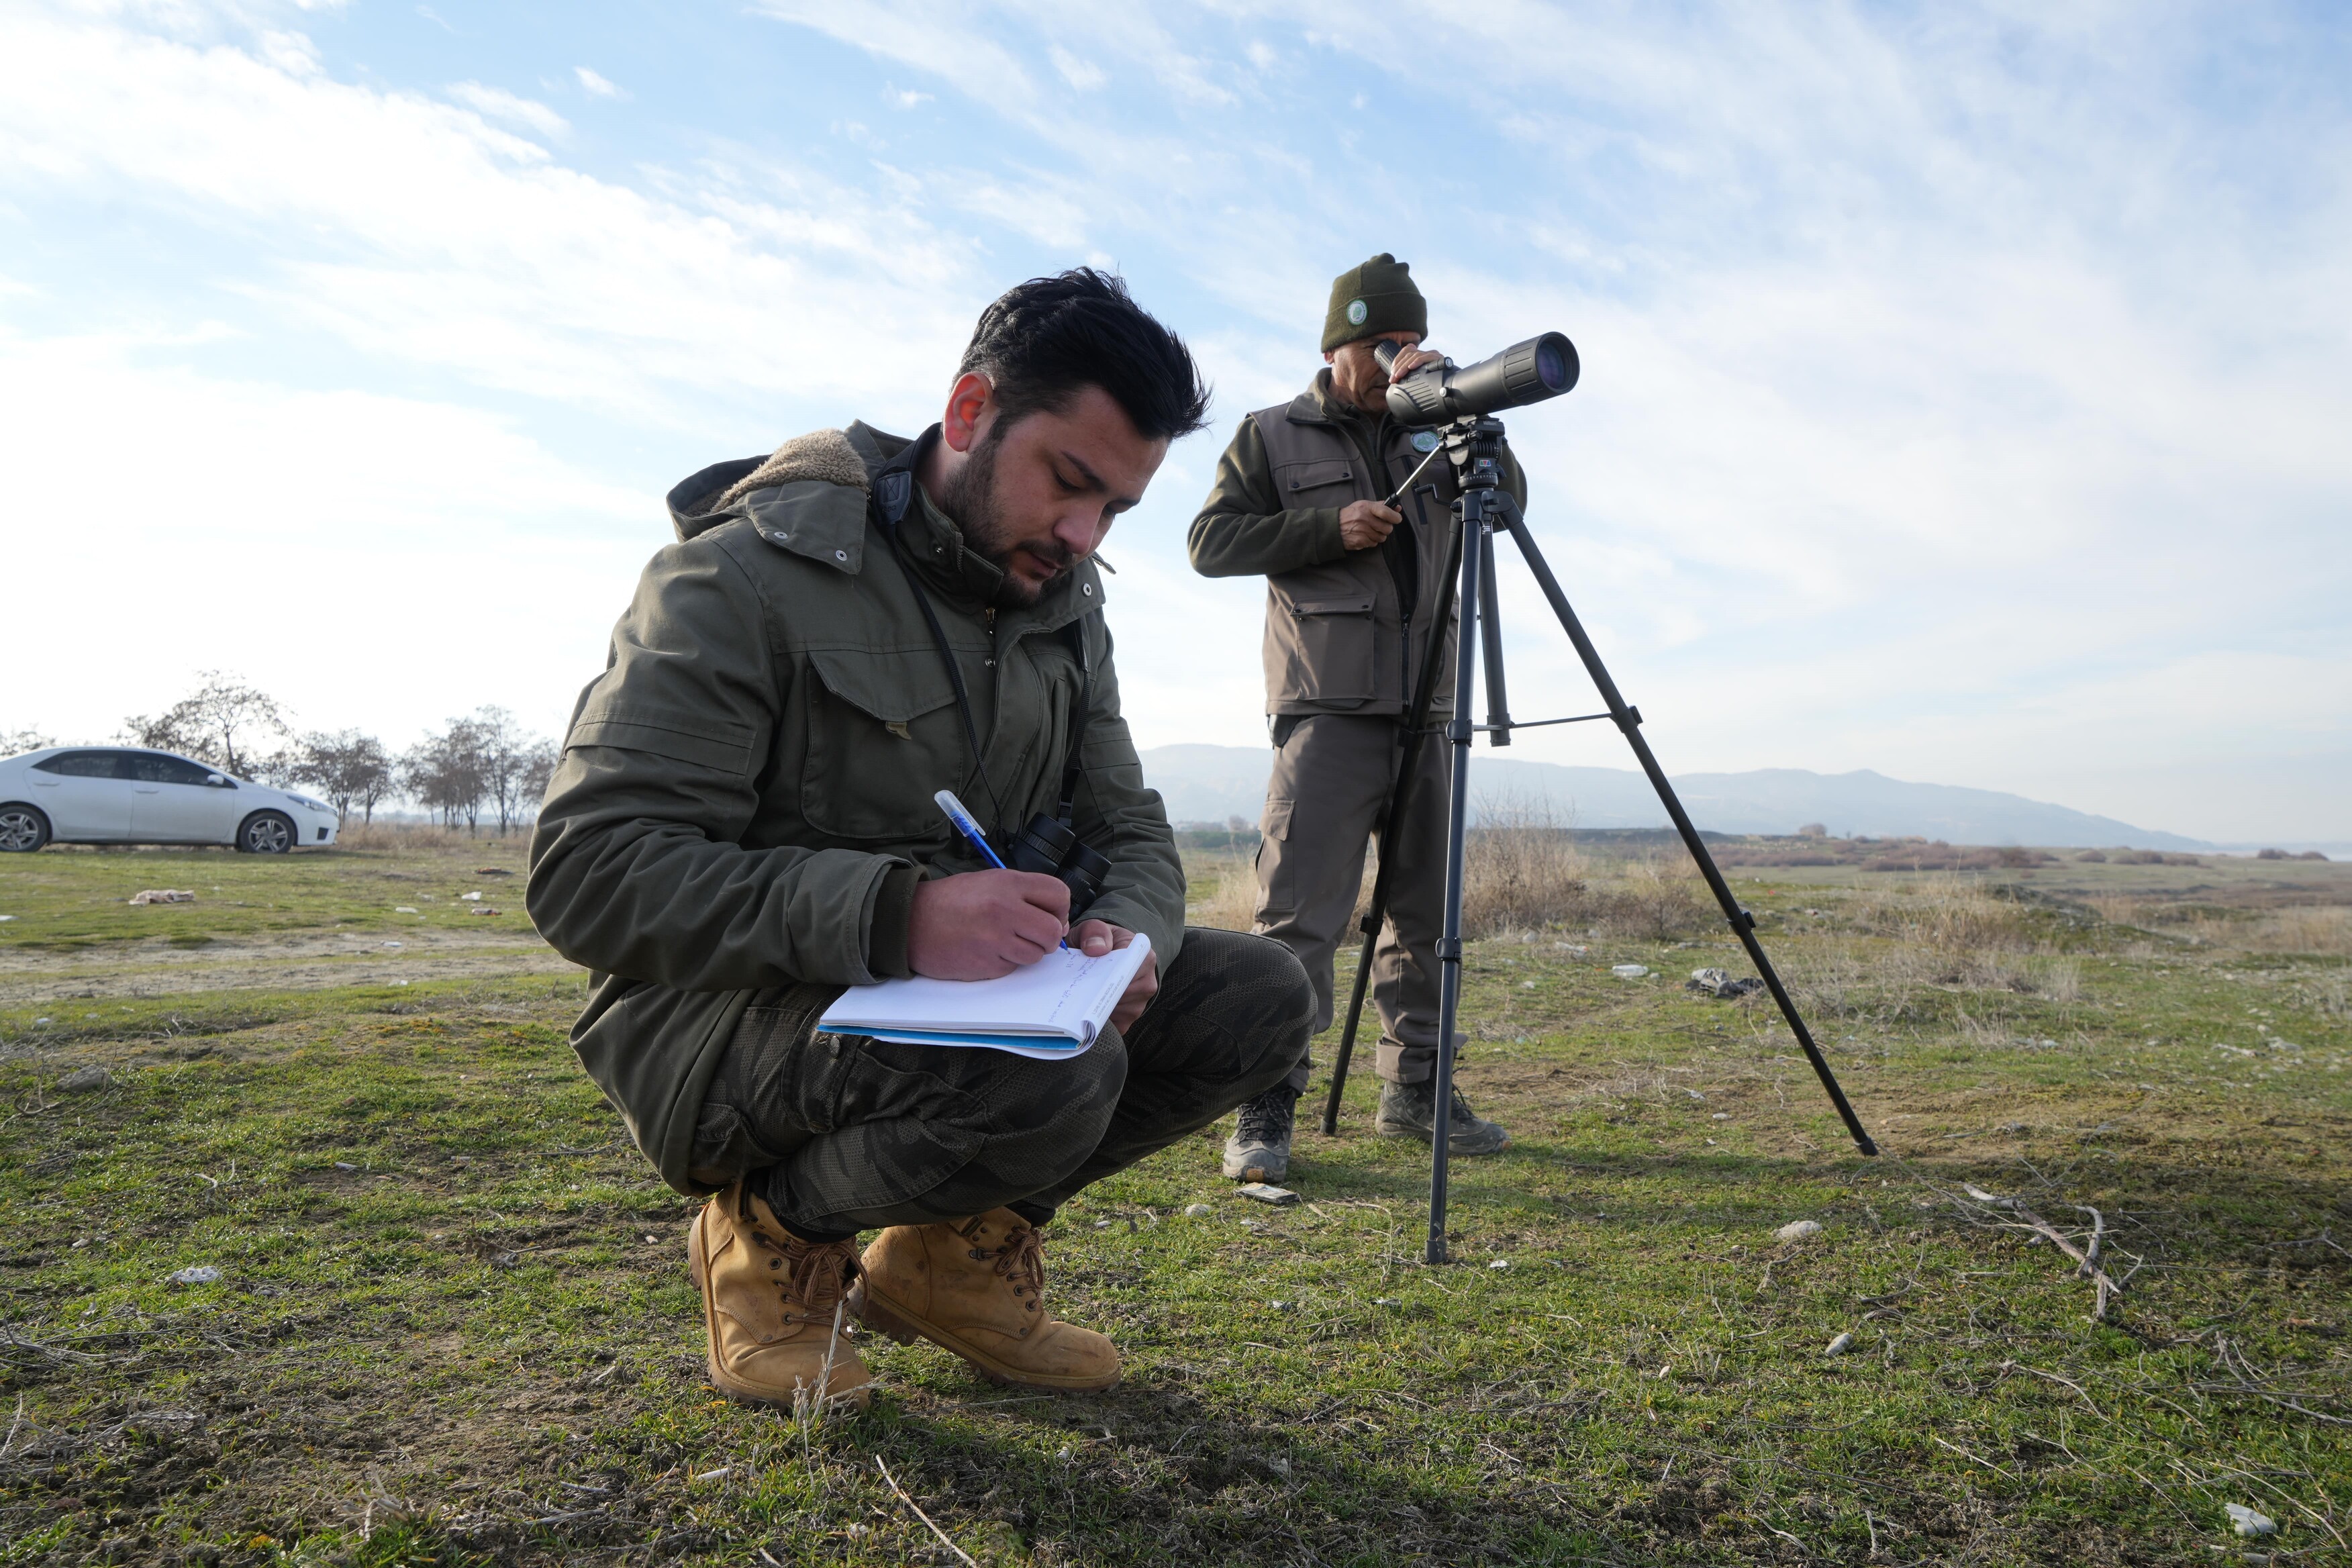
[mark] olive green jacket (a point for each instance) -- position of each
(744, 798)
(1345, 630)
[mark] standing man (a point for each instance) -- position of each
(1353, 588)
(741, 826)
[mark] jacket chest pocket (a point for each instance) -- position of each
(882, 734)
(1326, 481)
(1325, 641)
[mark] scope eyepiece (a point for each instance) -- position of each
(1543, 366)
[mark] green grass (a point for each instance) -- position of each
(442, 1334)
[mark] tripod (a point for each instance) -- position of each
(1482, 508)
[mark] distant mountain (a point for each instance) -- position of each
(1210, 783)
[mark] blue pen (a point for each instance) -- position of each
(967, 827)
(970, 829)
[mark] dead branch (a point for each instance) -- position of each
(926, 1517)
(2087, 1262)
(2234, 1361)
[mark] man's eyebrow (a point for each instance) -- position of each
(1095, 480)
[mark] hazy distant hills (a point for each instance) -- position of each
(1210, 783)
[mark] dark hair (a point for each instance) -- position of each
(1044, 340)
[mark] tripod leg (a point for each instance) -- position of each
(1400, 798)
(1743, 924)
(1490, 649)
(1458, 731)
(1348, 1035)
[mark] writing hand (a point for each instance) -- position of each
(983, 924)
(1095, 938)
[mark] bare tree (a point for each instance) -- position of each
(444, 773)
(208, 723)
(28, 739)
(538, 773)
(347, 767)
(509, 758)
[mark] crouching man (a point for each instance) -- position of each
(742, 826)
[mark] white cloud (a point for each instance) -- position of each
(499, 104)
(461, 246)
(596, 86)
(373, 560)
(1084, 75)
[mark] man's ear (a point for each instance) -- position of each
(1329, 357)
(970, 408)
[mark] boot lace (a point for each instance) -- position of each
(816, 1277)
(1268, 1119)
(1022, 1260)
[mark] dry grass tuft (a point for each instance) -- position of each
(1521, 872)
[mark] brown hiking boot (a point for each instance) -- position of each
(769, 1301)
(975, 1285)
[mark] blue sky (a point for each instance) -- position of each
(1963, 398)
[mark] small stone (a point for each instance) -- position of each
(1840, 1345)
(1198, 1211)
(2246, 1521)
(1259, 1192)
(1500, 1263)
(86, 1080)
(1798, 1229)
(195, 1274)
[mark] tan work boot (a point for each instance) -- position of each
(975, 1286)
(769, 1301)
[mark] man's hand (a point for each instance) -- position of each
(983, 924)
(1095, 938)
(1365, 523)
(1411, 360)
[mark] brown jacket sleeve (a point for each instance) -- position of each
(1242, 532)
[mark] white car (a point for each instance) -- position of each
(115, 794)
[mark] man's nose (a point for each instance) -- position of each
(1079, 531)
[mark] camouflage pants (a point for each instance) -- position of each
(841, 1134)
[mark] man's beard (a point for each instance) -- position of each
(971, 501)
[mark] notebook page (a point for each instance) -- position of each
(1063, 993)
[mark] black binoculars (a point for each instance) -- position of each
(1051, 848)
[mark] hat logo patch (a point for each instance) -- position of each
(1357, 311)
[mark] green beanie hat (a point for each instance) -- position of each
(1377, 296)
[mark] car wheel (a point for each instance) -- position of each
(22, 829)
(266, 833)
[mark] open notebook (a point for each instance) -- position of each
(1053, 1007)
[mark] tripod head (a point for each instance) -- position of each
(1474, 448)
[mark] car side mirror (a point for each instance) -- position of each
(216, 780)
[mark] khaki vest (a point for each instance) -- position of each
(1337, 638)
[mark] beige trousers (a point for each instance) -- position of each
(1325, 804)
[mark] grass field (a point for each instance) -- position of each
(452, 1323)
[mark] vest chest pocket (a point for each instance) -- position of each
(1330, 481)
(1325, 641)
(881, 735)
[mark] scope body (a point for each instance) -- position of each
(1543, 366)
